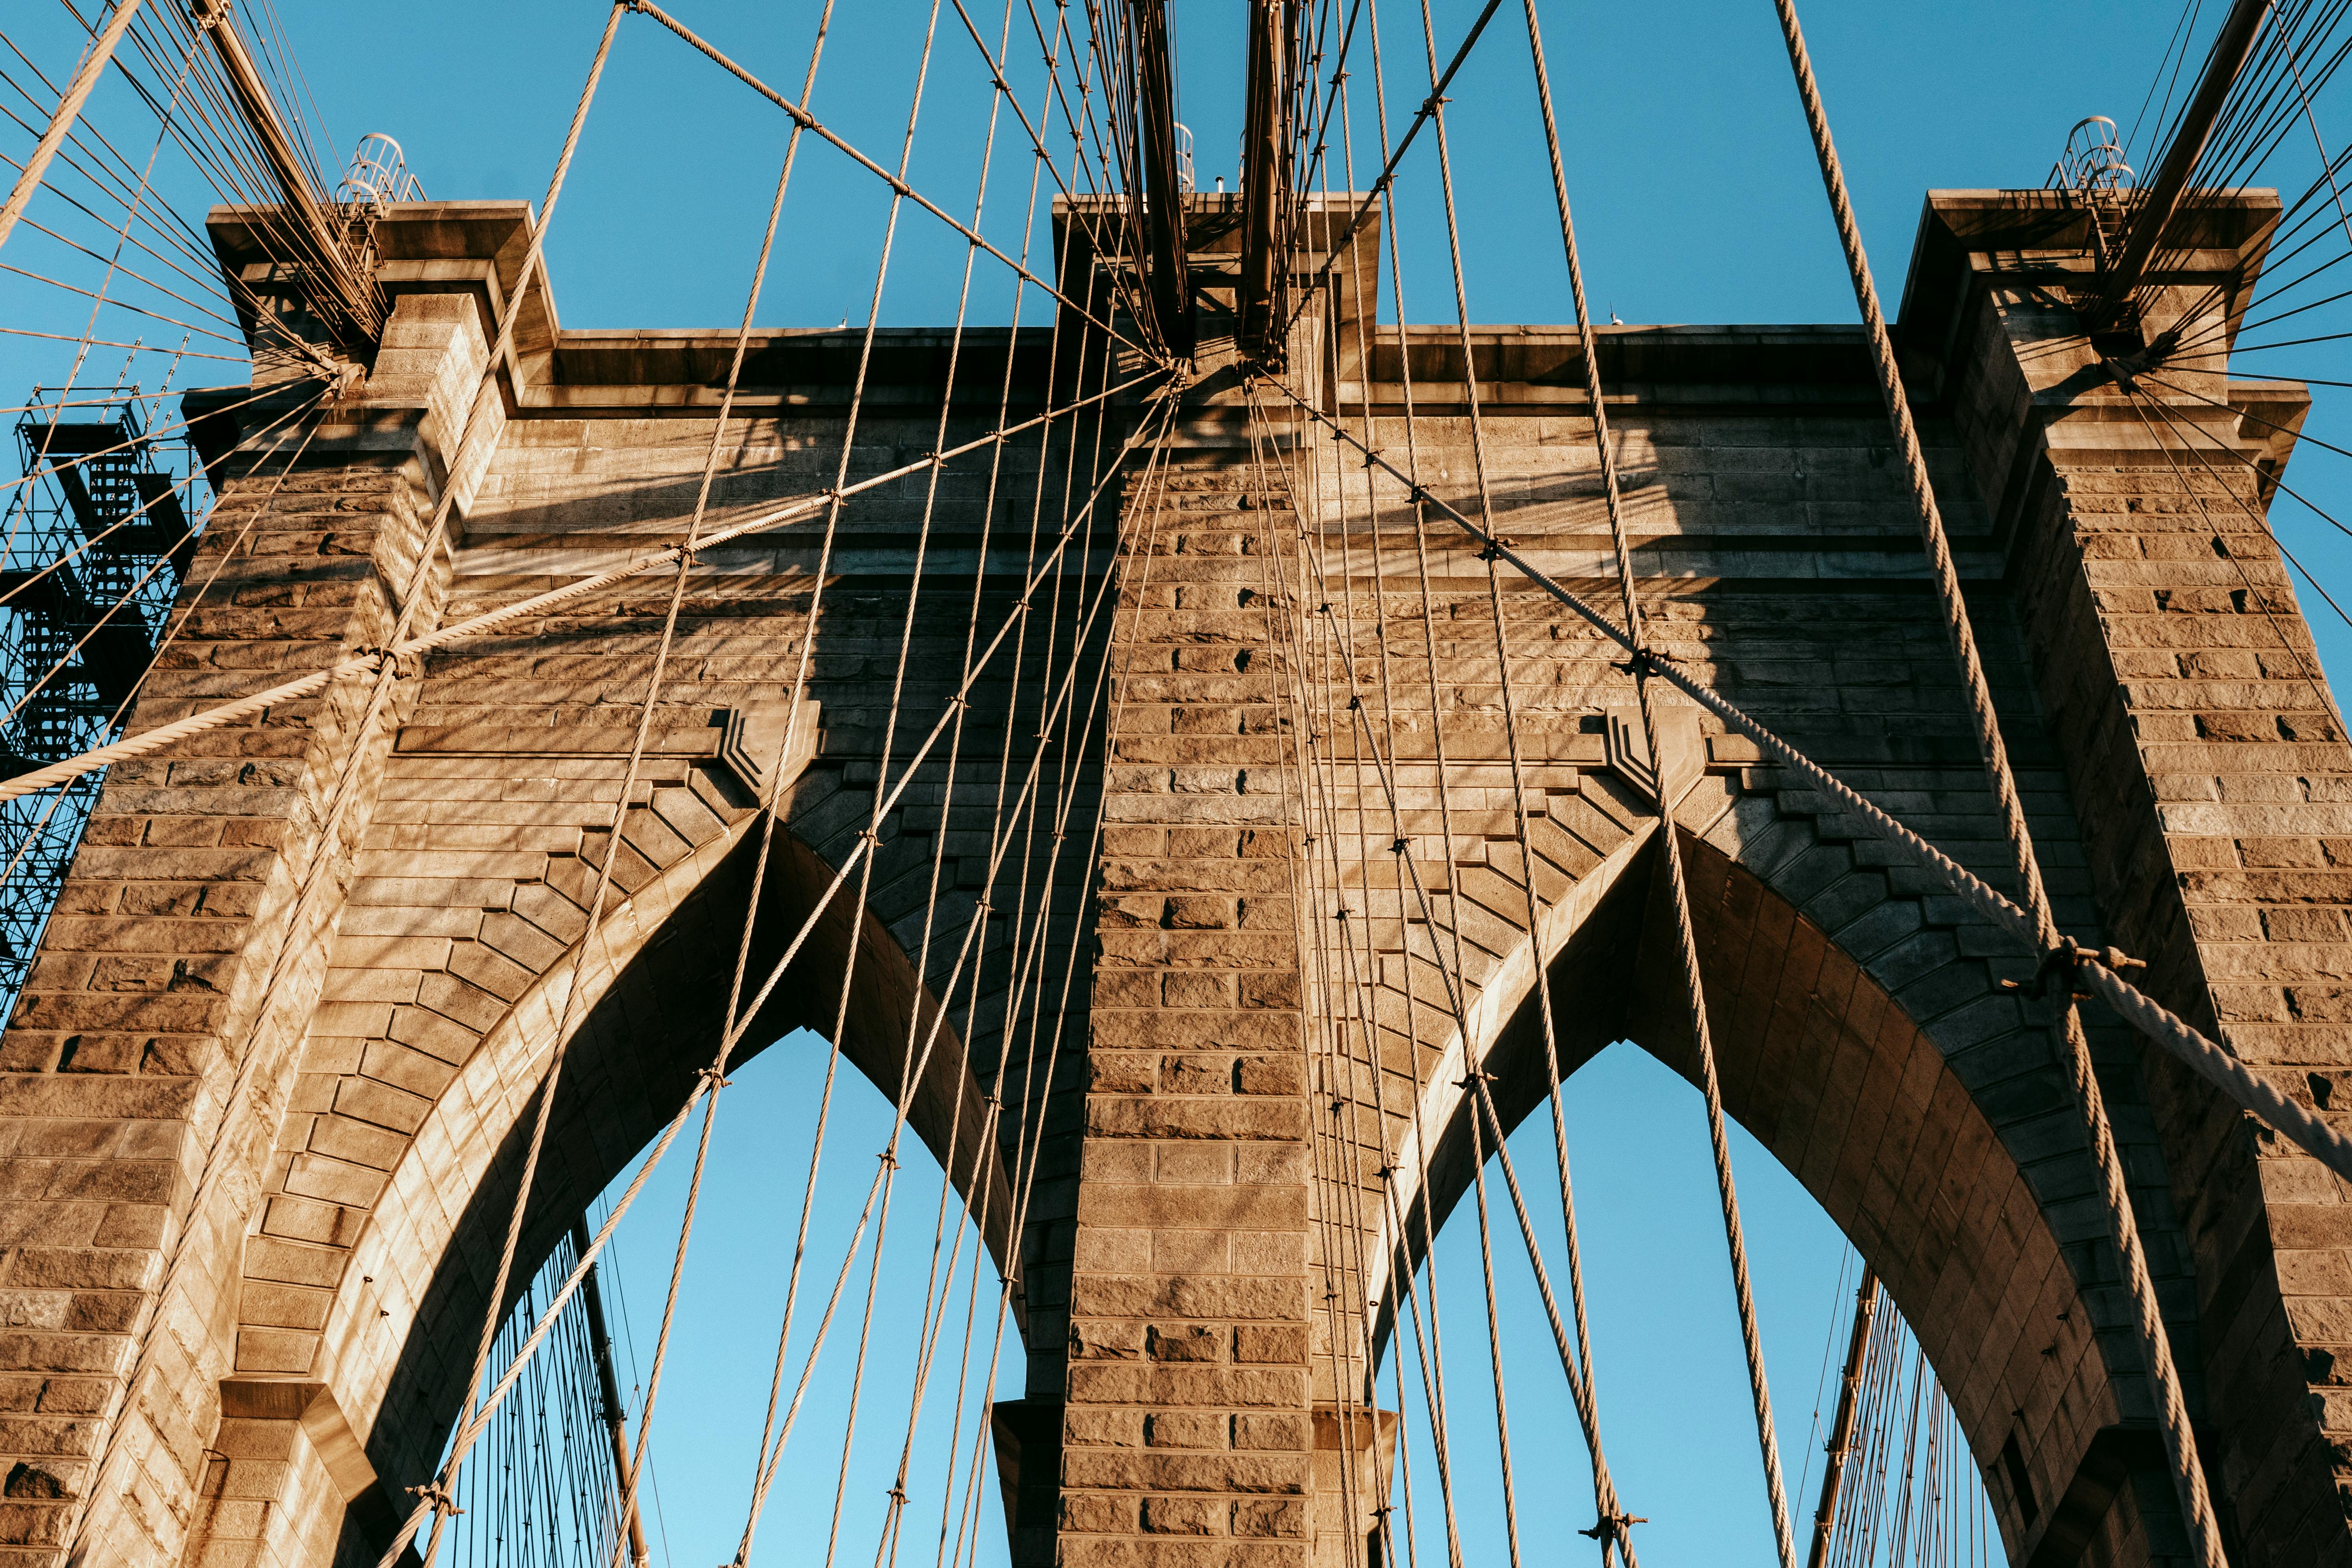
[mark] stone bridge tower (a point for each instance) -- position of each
(263, 1095)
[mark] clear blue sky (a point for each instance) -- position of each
(1698, 201)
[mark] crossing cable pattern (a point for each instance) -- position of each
(1428, 1341)
(1670, 846)
(635, 1471)
(1578, 1386)
(1052, 564)
(900, 189)
(2094, 967)
(1339, 952)
(935, 469)
(2069, 1040)
(237, 1106)
(883, 805)
(859, 854)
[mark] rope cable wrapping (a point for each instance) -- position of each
(69, 109)
(2070, 1042)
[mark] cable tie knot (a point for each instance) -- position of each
(1433, 103)
(889, 1158)
(1402, 846)
(1640, 662)
(438, 1496)
(716, 1078)
(1612, 1526)
(2066, 961)
(1474, 1077)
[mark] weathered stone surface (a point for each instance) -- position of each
(1294, 873)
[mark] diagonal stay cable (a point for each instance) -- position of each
(472, 1429)
(212, 1172)
(2141, 403)
(636, 1464)
(58, 464)
(1384, 770)
(887, 804)
(2251, 1090)
(2126, 376)
(1614, 1521)
(1000, 839)
(897, 184)
(69, 109)
(1004, 94)
(1311, 286)
(246, 358)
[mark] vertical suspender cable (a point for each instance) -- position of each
(2068, 1039)
(1670, 847)
(1841, 1443)
(434, 1496)
(608, 1391)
